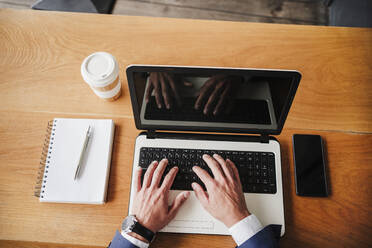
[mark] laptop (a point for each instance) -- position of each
(178, 107)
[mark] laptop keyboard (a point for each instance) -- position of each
(256, 169)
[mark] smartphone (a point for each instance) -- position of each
(309, 165)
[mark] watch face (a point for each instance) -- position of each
(128, 223)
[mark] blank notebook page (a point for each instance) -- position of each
(66, 142)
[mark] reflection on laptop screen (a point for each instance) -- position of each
(219, 100)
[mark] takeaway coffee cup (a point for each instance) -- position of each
(101, 72)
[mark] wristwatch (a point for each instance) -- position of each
(131, 224)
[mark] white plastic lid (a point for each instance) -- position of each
(99, 69)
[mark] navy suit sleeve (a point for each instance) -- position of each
(266, 238)
(120, 242)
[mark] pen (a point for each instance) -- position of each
(83, 149)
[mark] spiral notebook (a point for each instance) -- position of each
(61, 154)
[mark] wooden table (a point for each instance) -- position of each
(40, 57)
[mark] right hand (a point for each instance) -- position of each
(165, 90)
(224, 198)
(216, 95)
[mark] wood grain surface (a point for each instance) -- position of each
(42, 51)
(278, 11)
(313, 12)
(40, 57)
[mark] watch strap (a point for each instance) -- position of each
(143, 231)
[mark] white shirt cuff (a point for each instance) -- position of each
(135, 241)
(245, 229)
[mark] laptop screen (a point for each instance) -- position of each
(211, 99)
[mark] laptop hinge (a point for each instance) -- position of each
(151, 134)
(264, 138)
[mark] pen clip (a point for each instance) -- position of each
(89, 131)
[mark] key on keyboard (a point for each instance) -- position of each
(256, 169)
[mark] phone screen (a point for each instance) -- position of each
(310, 176)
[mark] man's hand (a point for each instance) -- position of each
(165, 89)
(150, 204)
(216, 95)
(224, 198)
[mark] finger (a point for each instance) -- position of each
(157, 92)
(234, 169)
(177, 203)
(200, 194)
(165, 91)
(158, 173)
(226, 168)
(137, 178)
(187, 84)
(214, 166)
(148, 175)
(149, 89)
(204, 92)
(222, 100)
(174, 89)
(169, 178)
(213, 97)
(203, 175)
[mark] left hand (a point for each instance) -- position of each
(150, 204)
(165, 87)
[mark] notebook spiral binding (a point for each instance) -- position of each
(45, 159)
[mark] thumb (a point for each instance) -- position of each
(200, 194)
(187, 84)
(177, 203)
